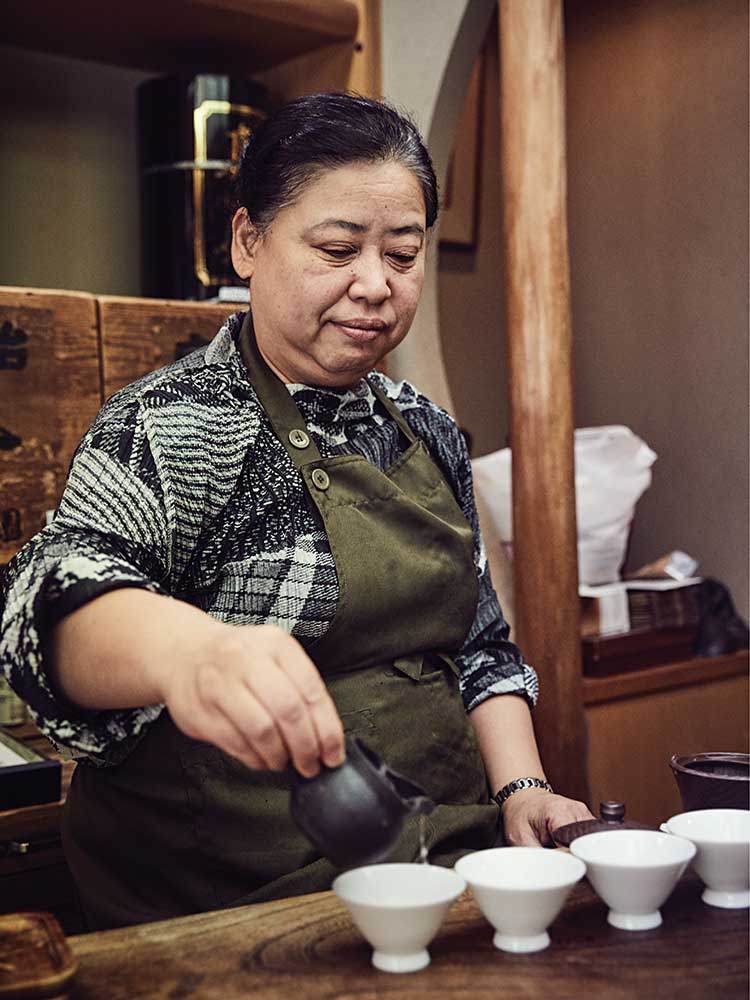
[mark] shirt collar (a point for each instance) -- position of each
(329, 406)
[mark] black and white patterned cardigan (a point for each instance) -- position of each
(181, 487)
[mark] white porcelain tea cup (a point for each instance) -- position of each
(722, 859)
(634, 871)
(399, 909)
(520, 890)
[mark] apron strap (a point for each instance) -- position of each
(393, 411)
(277, 401)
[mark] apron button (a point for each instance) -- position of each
(320, 479)
(298, 438)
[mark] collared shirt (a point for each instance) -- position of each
(181, 487)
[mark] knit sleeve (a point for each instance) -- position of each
(111, 530)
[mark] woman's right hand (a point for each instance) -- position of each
(251, 690)
(254, 692)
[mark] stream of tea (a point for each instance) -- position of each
(422, 839)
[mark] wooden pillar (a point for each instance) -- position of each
(532, 121)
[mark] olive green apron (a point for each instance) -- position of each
(180, 827)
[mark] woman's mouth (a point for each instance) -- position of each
(361, 330)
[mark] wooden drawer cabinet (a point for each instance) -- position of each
(638, 720)
(62, 354)
(141, 335)
(49, 393)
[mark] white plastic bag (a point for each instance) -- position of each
(612, 470)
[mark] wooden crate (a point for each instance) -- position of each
(49, 393)
(140, 335)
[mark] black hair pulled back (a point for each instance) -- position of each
(321, 132)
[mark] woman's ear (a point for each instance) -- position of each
(245, 239)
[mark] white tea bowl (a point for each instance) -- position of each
(520, 890)
(634, 871)
(398, 908)
(722, 859)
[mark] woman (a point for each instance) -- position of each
(265, 545)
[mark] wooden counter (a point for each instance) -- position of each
(307, 947)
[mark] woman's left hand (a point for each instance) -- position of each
(530, 816)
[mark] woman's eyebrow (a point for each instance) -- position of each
(356, 227)
(414, 229)
(352, 227)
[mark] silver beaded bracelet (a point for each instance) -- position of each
(515, 786)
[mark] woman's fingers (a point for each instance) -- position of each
(320, 709)
(254, 726)
(259, 682)
(531, 816)
(274, 719)
(214, 727)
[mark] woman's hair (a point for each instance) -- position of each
(321, 132)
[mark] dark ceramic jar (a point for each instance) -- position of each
(713, 780)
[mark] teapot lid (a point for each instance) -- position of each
(612, 817)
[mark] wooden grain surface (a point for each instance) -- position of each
(547, 608)
(49, 393)
(632, 739)
(35, 960)
(183, 35)
(307, 947)
(140, 335)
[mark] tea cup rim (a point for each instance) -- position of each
(448, 893)
(488, 882)
(706, 838)
(689, 849)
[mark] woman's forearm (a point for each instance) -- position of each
(506, 739)
(114, 651)
(508, 746)
(249, 689)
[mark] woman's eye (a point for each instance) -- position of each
(338, 253)
(403, 259)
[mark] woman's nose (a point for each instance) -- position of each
(370, 280)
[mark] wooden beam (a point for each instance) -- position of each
(221, 36)
(532, 120)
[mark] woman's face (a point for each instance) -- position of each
(336, 278)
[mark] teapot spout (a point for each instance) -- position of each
(414, 799)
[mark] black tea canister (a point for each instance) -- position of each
(191, 132)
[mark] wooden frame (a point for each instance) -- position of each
(545, 558)
(460, 197)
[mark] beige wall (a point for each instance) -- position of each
(658, 201)
(658, 194)
(68, 174)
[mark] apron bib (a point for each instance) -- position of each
(180, 827)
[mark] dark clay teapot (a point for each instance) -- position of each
(353, 813)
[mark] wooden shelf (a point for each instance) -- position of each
(243, 36)
(696, 670)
